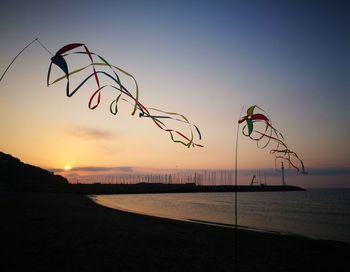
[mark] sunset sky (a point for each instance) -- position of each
(204, 59)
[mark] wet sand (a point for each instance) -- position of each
(68, 232)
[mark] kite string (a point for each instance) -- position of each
(29, 44)
(44, 47)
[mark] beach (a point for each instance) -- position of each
(68, 232)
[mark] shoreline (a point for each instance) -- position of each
(69, 232)
(93, 199)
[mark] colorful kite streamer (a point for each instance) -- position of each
(269, 134)
(111, 72)
(95, 99)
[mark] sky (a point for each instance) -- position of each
(203, 59)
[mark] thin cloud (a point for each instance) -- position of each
(55, 170)
(95, 169)
(90, 133)
(291, 171)
(127, 169)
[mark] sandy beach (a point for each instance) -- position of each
(68, 232)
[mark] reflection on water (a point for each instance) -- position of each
(318, 213)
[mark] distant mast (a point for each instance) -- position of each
(283, 182)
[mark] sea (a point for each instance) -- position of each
(315, 213)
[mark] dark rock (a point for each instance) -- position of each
(16, 174)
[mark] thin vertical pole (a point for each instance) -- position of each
(283, 182)
(236, 177)
(236, 218)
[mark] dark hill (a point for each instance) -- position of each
(17, 175)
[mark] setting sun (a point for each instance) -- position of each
(67, 167)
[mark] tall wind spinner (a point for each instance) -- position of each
(257, 125)
(102, 69)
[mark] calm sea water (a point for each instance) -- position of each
(316, 213)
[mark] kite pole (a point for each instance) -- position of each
(8, 67)
(20, 52)
(236, 169)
